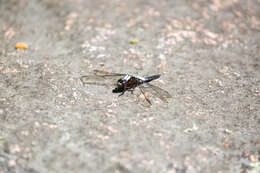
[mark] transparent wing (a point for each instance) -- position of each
(156, 91)
(106, 74)
(146, 98)
(101, 78)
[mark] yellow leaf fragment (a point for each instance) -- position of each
(133, 41)
(21, 46)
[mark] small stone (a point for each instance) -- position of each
(11, 163)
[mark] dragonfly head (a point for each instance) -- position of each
(119, 86)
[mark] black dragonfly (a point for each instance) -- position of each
(127, 82)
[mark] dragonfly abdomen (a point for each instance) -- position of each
(150, 78)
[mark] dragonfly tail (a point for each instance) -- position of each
(153, 77)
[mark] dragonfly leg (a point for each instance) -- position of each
(123, 91)
(131, 90)
(121, 94)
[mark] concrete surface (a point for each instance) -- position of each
(207, 52)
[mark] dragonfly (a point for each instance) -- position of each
(127, 82)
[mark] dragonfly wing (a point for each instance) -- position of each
(95, 80)
(105, 73)
(146, 98)
(101, 78)
(156, 91)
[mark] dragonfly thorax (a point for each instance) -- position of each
(124, 80)
(127, 82)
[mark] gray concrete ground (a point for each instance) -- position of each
(207, 52)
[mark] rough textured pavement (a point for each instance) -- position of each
(207, 52)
